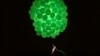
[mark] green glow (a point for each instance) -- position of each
(49, 16)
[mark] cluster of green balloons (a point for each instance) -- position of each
(49, 16)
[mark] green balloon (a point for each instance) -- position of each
(49, 16)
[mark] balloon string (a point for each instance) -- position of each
(61, 51)
(54, 48)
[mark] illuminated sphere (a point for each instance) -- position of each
(49, 16)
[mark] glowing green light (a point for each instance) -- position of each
(49, 17)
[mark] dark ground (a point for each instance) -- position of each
(81, 37)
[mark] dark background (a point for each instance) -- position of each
(81, 37)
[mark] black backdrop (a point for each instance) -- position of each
(80, 37)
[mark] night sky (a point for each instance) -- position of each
(81, 37)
